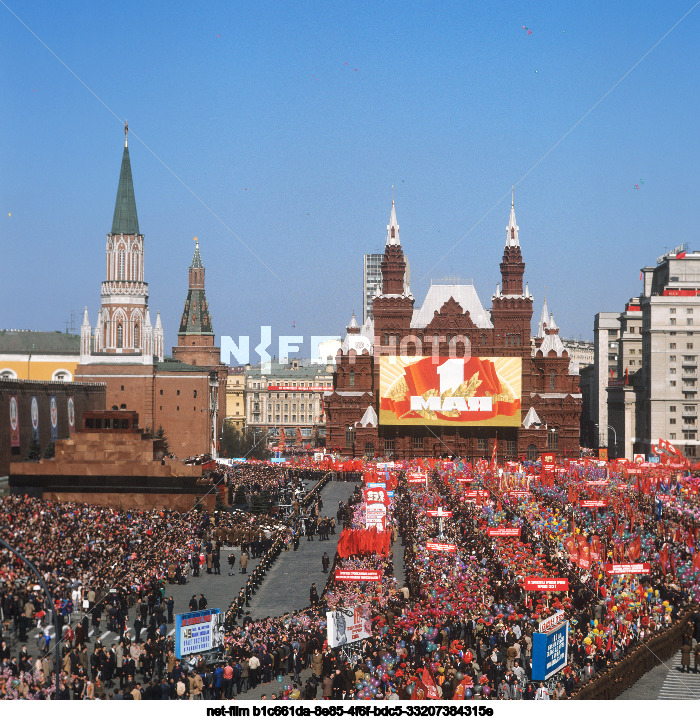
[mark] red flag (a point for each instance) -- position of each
(493, 455)
(430, 687)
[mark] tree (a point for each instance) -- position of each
(50, 450)
(160, 433)
(244, 443)
(240, 497)
(34, 452)
(261, 502)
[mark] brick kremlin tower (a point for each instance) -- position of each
(184, 394)
(195, 339)
(123, 332)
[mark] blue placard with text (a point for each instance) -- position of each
(194, 631)
(549, 652)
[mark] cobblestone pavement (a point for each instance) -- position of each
(665, 682)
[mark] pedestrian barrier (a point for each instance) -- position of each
(626, 672)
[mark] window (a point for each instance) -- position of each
(417, 443)
(120, 336)
(672, 421)
(672, 371)
(688, 358)
(689, 346)
(123, 389)
(672, 346)
(673, 310)
(481, 444)
(689, 435)
(631, 362)
(178, 407)
(672, 409)
(689, 321)
(672, 384)
(350, 436)
(161, 390)
(195, 395)
(673, 436)
(178, 392)
(510, 449)
(136, 335)
(689, 311)
(552, 439)
(552, 380)
(352, 379)
(672, 359)
(673, 321)
(121, 265)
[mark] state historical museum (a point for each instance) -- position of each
(450, 378)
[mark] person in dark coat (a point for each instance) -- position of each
(313, 595)
(685, 655)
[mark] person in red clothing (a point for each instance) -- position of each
(228, 680)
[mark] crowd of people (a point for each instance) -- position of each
(460, 627)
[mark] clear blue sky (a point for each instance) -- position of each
(291, 121)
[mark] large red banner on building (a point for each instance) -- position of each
(359, 575)
(309, 389)
(593, 504)
(445, 547)
(503, 531)
(534, 583)
(450, 391)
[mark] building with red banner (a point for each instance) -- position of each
(450, 377)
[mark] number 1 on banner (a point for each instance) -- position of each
(451, 374)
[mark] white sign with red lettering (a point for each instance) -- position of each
(503, 531)
(440, 513)
(552, 621)
(359, 575)
(613, 569)
(417, 477)
(446, 547)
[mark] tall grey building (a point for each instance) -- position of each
(669, 389)
(659, 400)
(371, 282)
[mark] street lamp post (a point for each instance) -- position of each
(614, 436)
